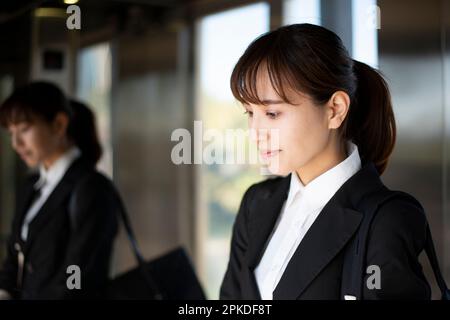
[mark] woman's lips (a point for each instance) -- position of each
(269, 154)
(24, 155)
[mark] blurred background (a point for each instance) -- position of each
(148, 67)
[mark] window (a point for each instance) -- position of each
(365, 20)
(222, 39)
(7, 172)
(301, 11)
(94, 88)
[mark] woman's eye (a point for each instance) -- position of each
(24, 129)
(250, 113)
(272, 115)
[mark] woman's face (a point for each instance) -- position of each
(34, 141)
(288, 136)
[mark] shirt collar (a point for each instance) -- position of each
(53, 174)
(320, 190)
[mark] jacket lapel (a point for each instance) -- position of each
(24, 202)
(336, 224)
(266, 207)
(327, 236)
(56, 199)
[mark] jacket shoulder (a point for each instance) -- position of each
(92, 180)
(398, 235)
(93, 186)
(263, 188)
(260, 190)
(403, 206)
(404, 216)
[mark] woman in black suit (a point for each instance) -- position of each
(65, 220)
(325, 122)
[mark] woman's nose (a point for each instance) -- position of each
(257, 130)
(259, 134)
(15, 141)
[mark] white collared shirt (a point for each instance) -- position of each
(47, 182)
(300, 210)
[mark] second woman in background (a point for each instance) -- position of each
(65, 217)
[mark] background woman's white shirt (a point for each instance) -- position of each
(47, 182)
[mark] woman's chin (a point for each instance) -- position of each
(277, 169)
(30, 163)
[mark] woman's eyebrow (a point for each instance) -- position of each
(271, 101)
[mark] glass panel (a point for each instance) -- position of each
(415, 73)
(7, 172)
(220, 187)
(446, 183)
(301, 11)
(94, 88)
(366, 22)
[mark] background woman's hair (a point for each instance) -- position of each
(313, 60)
(83, 131)
(42, 100)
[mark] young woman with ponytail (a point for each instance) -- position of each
(324, 123)
(65, 220)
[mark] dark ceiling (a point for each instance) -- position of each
(11, 10)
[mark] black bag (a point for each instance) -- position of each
(354, 261)
(169, 277)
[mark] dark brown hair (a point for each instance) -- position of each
(44, 100)
(312, 59)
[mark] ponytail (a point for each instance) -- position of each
(82, 131)
(371, 123)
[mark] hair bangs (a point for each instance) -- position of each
(246, 74)
(14, 113)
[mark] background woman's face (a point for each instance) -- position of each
(33, 141)
(288, 136)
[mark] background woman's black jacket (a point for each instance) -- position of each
(396, 238)
(76, 226)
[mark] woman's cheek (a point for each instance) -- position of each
(299, 148)
(41, 145)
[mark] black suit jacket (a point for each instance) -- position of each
(396, 238)
(68, 230)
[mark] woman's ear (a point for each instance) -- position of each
(60, 124)
(338, 107)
